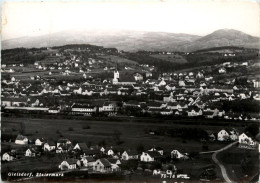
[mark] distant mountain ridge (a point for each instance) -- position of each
(138, 40)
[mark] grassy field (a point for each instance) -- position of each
(131, 133)
(171, 58)
(117, 60)
(232, 160)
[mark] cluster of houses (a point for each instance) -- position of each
(176, 93)
(108, 159)
(95, 158)
(171, 94)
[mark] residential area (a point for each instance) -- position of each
(92, 112)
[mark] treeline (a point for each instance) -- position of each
(228, 47)
(242, 106)
(194, 60)
(21, 56)
(89, 47)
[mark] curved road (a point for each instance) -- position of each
(222, 168)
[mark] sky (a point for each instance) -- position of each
(199, 17)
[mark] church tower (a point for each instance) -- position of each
(116, 74)
(116, 77)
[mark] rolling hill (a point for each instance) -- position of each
(138, 40)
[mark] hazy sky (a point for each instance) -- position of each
(178, 16)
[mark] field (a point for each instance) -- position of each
(171, 58)
(232, 160)
(117, 60)
(96, 132)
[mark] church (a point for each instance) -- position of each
(125, 79)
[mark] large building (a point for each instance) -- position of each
(126, 79)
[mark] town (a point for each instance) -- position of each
(90, 87)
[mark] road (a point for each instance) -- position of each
(222, 167)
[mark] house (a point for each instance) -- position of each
(109, 107)
(114, 164)
(109, 152)
(30, 152)
(176, 154)
(158, 149)
(54, 110)
(8, 156)
(20, 139)
(64, 148)
(245, 139)
(39, 142)
(157, 172)
(69, 164)
(86, 109)
(223, 135)
(126, 79)
(138, 77)
(194, 112)
(148, 74)
(150, 156)
(63, 142)
(222, 71)
(127, 155)
(102, 165)
(87, 161)
(81, 147)
(49, 146)
(15, 102)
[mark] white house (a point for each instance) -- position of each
(176, 154)
(244, 139)
(222, 71)
(30, 153)
(223, 135)
(102, 165)
(150, 156)
(8, 156)
(127, 155)
(69, 164)
(110, 152)
(49, 146)
(87, 161)
(195, 112)
(156, 172)
(114, 164)
(138, 77)
(39, 142)
(20, 139)
(81, 147)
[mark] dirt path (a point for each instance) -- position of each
(222, 167)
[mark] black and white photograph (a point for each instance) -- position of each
(142, 91)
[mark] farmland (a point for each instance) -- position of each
(173, 58)
(96, 132)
